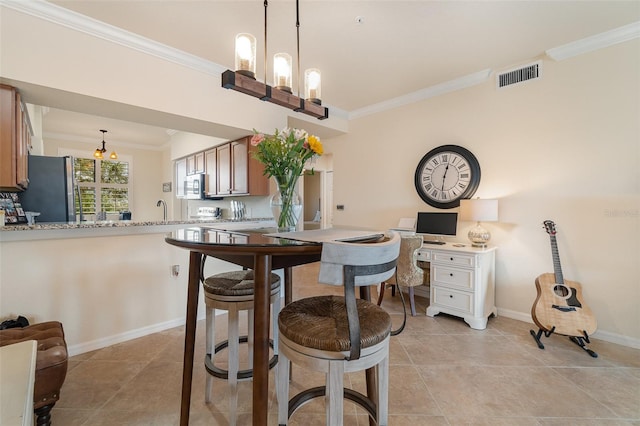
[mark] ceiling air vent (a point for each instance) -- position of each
(528, 72)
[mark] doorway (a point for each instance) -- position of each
(317, 196)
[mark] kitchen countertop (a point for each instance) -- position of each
(55, 230)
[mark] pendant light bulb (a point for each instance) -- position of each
(246, 55)
(312, 86)
(282, 71)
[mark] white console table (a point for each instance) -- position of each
(17, 375)
(462, 281)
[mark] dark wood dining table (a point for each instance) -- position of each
(254, 250)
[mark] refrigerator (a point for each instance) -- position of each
(51, 189)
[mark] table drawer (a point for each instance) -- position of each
(453, 299)
(461, 278)
(424, 255)
(454, 259)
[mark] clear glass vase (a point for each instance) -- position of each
(286, 204)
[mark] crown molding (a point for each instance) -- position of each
(426, 93)
(78, 22)
(595, 42)
(65, 17)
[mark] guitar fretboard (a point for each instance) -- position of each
(557, 269)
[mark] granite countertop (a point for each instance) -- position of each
(61, 230)
(117, 224)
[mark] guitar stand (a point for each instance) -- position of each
(578, 340)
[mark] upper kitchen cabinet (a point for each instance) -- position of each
(229, 169)
(195, 163)
(238, 172)
(15, 140)
(211, 170)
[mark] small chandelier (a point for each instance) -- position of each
(100, 151)
(243, 79)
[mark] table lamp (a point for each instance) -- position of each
(477, 210)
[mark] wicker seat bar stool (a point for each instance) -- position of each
(340, 334)
(233, 292)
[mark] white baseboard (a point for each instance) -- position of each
(601, 335)
(420, 290)
(126, 336)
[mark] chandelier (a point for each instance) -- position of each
(243, 79)
(100, 151)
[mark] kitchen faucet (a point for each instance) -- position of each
(164, 206)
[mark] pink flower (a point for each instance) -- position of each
(257, 138)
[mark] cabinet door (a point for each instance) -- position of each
(181, 174)
(199, 162)
(191, 164)
(23, 142)
(14, 141)
(211, 172)
(240, 167)
(223, 163)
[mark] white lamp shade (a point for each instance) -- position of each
(478, 210)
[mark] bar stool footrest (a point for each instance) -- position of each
(350, 394)
(242, 374)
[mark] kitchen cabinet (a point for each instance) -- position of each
(15, 140)
(238, 172)
(211, 172)
(462, 282)
(181, 174)
(195, 163)
(229, 169)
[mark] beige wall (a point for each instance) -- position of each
(565, 148)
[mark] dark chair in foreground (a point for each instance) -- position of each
(340, 334)
(51, 363)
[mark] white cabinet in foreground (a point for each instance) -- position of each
(462, 282)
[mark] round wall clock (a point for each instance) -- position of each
(447, 174)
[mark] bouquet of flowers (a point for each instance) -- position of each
(286, 152)
(284, 155)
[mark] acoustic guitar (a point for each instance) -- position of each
(559, 307)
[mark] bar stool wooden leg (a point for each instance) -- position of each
(234, 355)
(282, 388)
(210, 327)
(250, 322)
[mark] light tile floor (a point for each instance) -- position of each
(442, 373)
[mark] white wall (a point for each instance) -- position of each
(104, 289)
(565, 148)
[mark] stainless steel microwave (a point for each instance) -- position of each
(194, 186)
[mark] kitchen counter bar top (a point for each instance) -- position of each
(56, 230)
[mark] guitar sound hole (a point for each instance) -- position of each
(561, 291)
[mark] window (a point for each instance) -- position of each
(104, 185)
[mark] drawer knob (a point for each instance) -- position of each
(451, 296)
(451, 274)
(451, 258)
